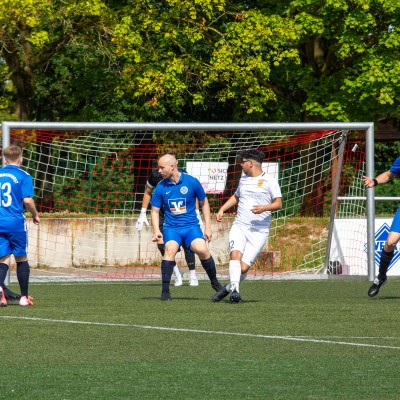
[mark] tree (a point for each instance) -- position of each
(34, 31)
(312, 61)
(165, 49)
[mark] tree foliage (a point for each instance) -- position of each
(312, 61)
(34, 32)
(190, 60)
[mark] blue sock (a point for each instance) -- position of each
(167, 267)
(23, 271)
(386, 259)
(3, 273)
(209, 267)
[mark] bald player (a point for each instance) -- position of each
(177, 193)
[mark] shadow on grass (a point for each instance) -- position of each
(173, 298)
(387, 298)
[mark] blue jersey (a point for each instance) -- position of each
(179, 200)
(15, 185)
(395, 168)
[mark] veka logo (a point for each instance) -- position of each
(380, 238)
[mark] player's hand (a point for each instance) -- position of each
(219, 216)
(368, 182)
(157, 237)
(258, 209)
(142, 220)
(208, 234)
(201, 223)
(36, 220)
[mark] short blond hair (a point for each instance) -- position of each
(12, 153)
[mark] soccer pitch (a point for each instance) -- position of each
(287, 340)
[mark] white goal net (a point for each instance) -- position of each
(90, 179)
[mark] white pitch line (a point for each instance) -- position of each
(161, 328)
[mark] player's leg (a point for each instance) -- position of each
(172, 242)
(386, 258)
(161, 249)
(10, 295)
(196, 243)
(235, 276)
(235, 236)
(19, 244)
(23, 272)
(191, 263)
(5, 254)
(244, 250)
(237, 246)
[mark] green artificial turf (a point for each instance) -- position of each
(287, 340)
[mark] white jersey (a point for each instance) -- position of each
(252, 191)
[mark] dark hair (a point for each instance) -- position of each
(172, 153)
(252, 154)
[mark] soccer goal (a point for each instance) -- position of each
(90, 178)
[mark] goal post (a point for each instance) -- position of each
(89, 182)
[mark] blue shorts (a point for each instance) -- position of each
(183, 235)
(15, 243)
(396, 222)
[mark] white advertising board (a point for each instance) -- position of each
(211, 174)
(349, 245)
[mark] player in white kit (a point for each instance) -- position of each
(256, 195)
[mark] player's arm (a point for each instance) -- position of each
(205, 207)
(379, 180)
(198, 214)
(155, 221)
(274, 206)
(142, 219)
(232, 201)
(31, 207)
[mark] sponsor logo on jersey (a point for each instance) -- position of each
(177, 206)
(260, 183)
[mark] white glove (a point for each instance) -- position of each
(199, 218)
(142, 219)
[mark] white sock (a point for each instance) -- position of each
(242, 278)
(176, 270)
(234, 274)
(192, 274)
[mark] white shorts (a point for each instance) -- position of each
(248, 241)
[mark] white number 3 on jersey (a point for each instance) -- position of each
(6, 194)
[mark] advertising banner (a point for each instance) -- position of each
(211, 174)
(349, 245)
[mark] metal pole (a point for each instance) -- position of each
(334, 199)
(170, 126)
(5, 142)
(370, 168)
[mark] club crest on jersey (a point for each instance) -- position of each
(184, 189)
(260, 183)
(177, 206)
(380, 238)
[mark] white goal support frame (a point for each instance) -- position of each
(367, 127)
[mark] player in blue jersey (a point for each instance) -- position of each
(16, 196)
(177, 193)
(394, 233)
(151, 183)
